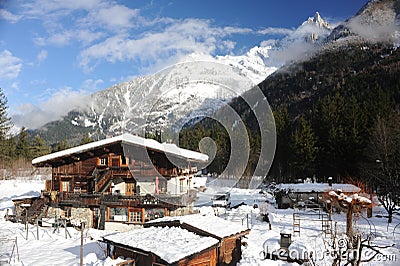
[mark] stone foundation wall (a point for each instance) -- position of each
(82, 215)
(183, 211)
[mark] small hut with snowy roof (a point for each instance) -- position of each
(163, 246)
(229, 234)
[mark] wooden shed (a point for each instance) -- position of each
(162, 246)
(228, 234)
(308, 194)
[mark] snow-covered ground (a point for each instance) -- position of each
(53, 248)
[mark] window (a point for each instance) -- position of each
(119, 214)
(129, 188)
(68, 213)
(65, 186)
(152, 214)
(135, 217)
(103, 161)
(115, 161)
(124, 160)
(182, 185)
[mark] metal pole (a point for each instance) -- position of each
(16, 246)
(81, 249)
(26, 222)
(37, 228)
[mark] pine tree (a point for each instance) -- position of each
(10, 146)
(329, 128)
(304, 150)
(5, 126)
(62, 145)
(39, 147)
(22, 148)
(5, 120)
(280, 165)
(86, 139)
(7, 153)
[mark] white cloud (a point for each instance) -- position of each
(275, 31)
(42, 55)
(179, 38)
(61, 38)
(10, 66)
(39, 9)
(58, 105)
(235, 30)
(66, 37)
(111, 32)
(374, 31)
(112, 17)
(87, 21)
(292, 52)
(7, 15)
(15, 85)
(91, 85)
(227, 45)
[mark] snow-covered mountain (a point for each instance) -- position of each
(312, 30)
(186, 91)
(377, 21)
(171, 97)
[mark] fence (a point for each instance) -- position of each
(8, 250)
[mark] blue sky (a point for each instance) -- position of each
(53, 52)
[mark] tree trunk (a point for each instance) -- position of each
(390, 216)
(349, 221)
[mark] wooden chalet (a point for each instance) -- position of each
(125, 179)
(160, 246)
(228, 234)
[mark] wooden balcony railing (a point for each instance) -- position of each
(97, 199)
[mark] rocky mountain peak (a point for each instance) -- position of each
(312, 30)
(318, 21)
(377, 21)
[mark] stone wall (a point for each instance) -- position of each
(82, 215)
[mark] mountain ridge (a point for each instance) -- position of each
(113, 110)
(326, 106)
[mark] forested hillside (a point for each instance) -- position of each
(326, 111)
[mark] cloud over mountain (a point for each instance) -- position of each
(10, 65)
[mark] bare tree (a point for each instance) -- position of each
(351, 204)
(351, 248)
(385, 176)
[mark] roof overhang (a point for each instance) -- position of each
(129, 139)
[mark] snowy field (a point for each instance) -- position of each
(53, 248)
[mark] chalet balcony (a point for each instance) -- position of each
(97, 199)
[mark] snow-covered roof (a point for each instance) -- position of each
(169, 243)
(355, 198)
(211, 224)
(129, 139)
(318, 187)
(31, 195)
